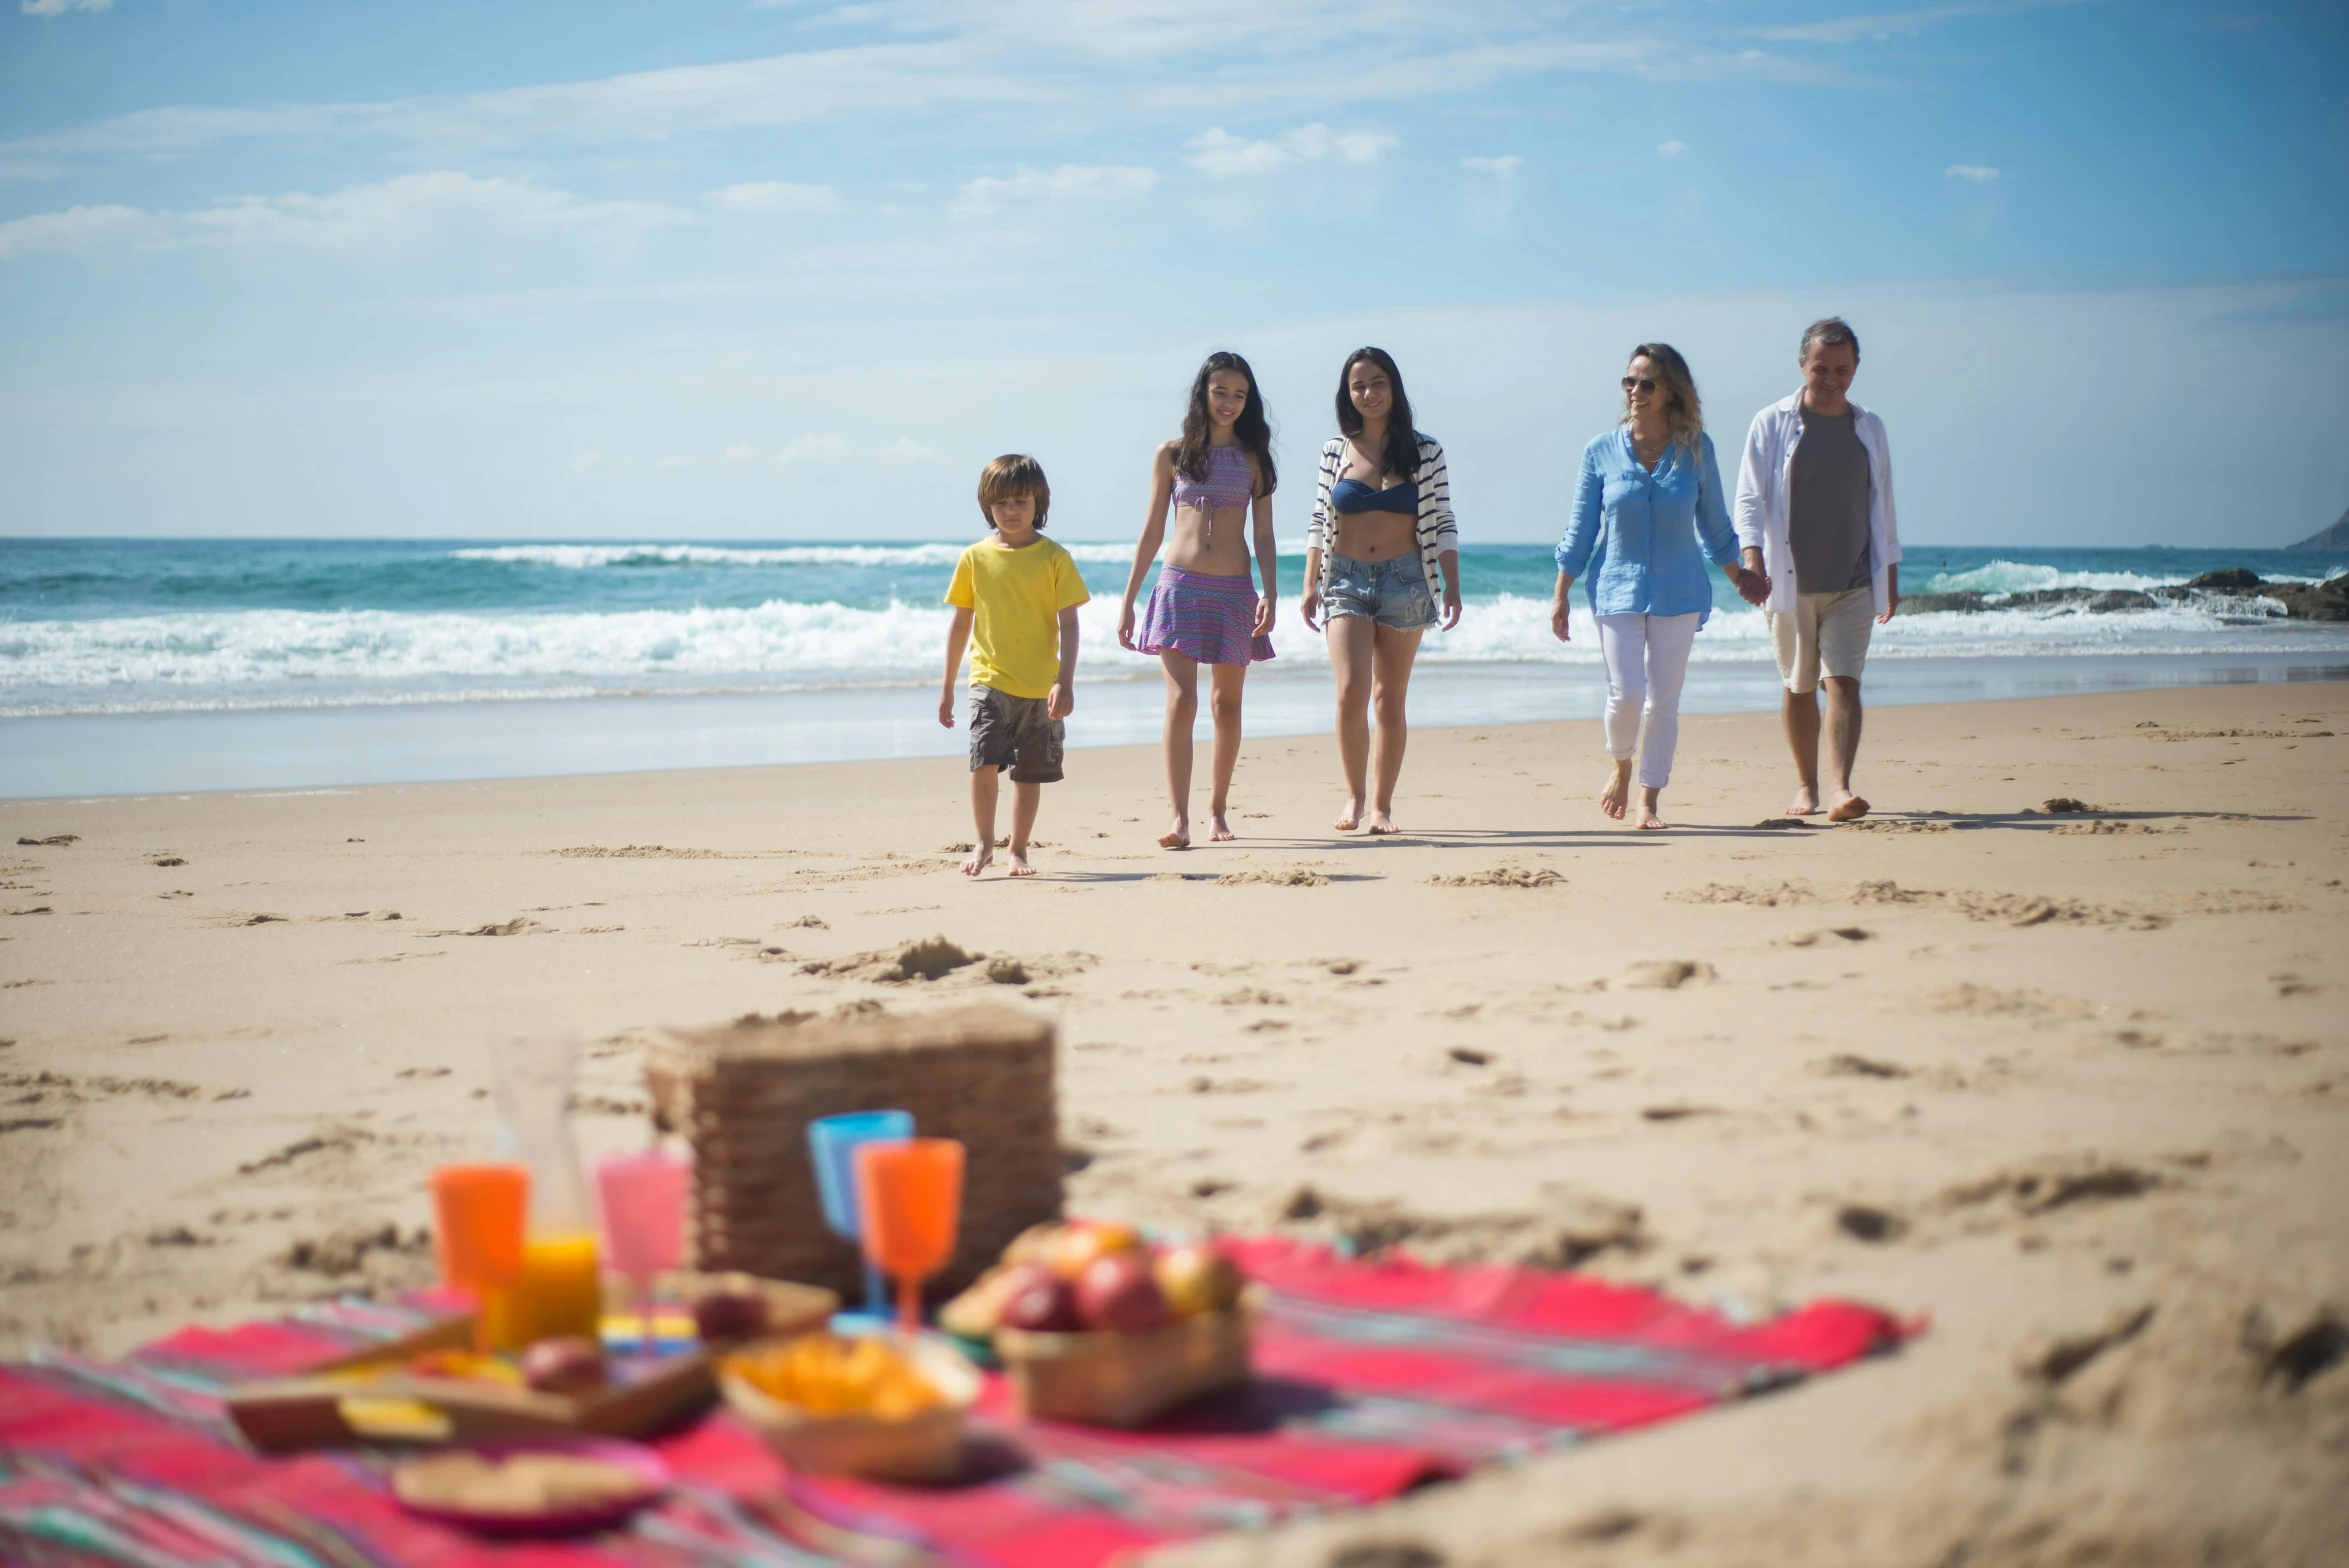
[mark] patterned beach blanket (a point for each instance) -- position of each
(1373, 1377)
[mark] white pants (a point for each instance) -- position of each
(1647, 660)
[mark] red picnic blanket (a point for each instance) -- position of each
(1371, 1378)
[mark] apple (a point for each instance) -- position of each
(565, 1364)
(1073, 1249)
(1118, 1293)
(729, 1314)
(1198, 1280)
(1039, 1301)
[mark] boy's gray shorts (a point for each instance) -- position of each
(1014, 732)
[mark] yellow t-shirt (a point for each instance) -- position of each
(1017, 596)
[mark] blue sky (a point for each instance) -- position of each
(796, 270)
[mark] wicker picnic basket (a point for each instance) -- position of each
(743, 1094)
(1124, 1380)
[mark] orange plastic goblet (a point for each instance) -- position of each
(479, 1212)
(909, 1197)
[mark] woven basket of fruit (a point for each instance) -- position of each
(1092, 1325)
(866, 1406)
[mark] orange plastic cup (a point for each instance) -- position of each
(909, 1201)
(479, 1212)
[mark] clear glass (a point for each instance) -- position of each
(560, 1291)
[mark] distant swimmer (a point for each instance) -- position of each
(1814, 513)
(1648, 514)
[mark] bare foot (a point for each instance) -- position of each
(1618, 790)
(1848, 808)
(1349, 818)
(1382, 824)
(1650, 814)
(1219, 831)
(1177, 837)
(1019, 863)
(978, 860)
(1806, 802)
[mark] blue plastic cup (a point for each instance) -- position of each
(832, 1142)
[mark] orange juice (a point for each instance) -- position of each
(560, 1291)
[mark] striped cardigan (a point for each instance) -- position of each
(1438, 531)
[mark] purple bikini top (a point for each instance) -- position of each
(1228, 482)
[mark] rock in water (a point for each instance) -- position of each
(2232, 577)
(2333, 538)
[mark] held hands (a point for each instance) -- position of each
(1753, 587)
(1062, 700)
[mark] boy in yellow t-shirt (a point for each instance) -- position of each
(1019, 592)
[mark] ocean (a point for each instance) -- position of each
(143, 666)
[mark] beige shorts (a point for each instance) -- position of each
(1824, 634)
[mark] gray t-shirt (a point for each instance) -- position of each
(1827, 521)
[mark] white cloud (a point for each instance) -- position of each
(815, 449)
(1504, 167)
(417, 209)
(60, 7)
(1883, 25)
(76, 228)
(1973, 173)
(1670, 149)
(988, 194)
(741, 452)
(1218, 152)
(590, 461)
(404, 213)
(905, 449)
(775, 196)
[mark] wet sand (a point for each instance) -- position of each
(2073, 1085)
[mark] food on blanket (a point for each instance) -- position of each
(975, 1313)
(1039, 1301)
(1033, 1245)
(729, 1314)
(828, 1375)
(522, 1484)
(565, 1364)
(1197, 1280)
(460, 1365)
(1119, 1293)
(1072, 1251)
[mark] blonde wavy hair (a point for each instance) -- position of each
(1684, 411)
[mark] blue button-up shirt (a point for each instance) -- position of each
(1638, 541)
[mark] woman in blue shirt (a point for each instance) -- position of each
(1648, 514)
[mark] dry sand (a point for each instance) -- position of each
(2074, 1086)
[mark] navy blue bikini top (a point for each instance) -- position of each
(1352, 495)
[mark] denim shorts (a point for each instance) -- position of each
(1392, 592)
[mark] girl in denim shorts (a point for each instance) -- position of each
(1382, 548)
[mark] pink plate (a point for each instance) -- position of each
(634, 1457)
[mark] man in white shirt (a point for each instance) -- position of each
(1814, 514)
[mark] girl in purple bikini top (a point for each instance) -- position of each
(1228, 483)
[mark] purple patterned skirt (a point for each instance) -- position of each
(1204, 617)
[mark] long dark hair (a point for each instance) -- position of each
(1253, 428)
(1401, 457)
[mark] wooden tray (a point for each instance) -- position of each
(1124, 1380)
(330, 1408)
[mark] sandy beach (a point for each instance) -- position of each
(2071, 1087)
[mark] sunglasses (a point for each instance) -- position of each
(1639, 383)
